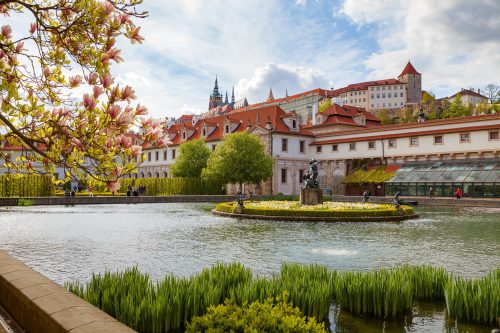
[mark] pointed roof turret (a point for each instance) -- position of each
(270, 97)
(216, 93)
(232, 97)
(409, 69)
(286, 93)
(226, 100)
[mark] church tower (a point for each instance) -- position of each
(413, 80)
(215, 97)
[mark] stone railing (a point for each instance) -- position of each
(39, 305)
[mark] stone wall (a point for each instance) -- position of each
(39, 305)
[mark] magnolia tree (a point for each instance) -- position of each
(58, 97)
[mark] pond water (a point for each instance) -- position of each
(67, 243)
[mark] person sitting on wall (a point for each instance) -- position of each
(458, 193)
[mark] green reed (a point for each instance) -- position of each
(169, 304)
(474, 299)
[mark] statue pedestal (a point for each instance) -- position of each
(311, 196)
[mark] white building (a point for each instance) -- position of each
(469, 97)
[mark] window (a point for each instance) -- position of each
(283, 175)
(372, 105)
(364, 99)
(383, 88)
(213, 147)
(352, 146)
(183, 135)
(372, 96)
(301, 175)
(227, 128)
(318, 149)
(335, 147)
(438, 140)
(149, 156)
(294, 123)
(173, 154)
(351, 94)
(378, 95)
(389, 103)
(284, 144)
(378, 88)
(400, 94)
(464, 137)
(302, 145)
(383, 95)
(401, 103)
(414, 141)
(157, 155)
(383, 105)
(389, 95)
(204, 131)
(391, 143)
(371, 144)
(165, 155)
(389, 87)
(493, 135)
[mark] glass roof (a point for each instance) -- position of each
(460, 171)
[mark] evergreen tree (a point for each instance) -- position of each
(456, 109)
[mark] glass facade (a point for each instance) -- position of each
(476, 178)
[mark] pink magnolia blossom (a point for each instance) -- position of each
(4, 10)
(2, 54)
(97, 91)
(32, 28)
(19, 47)
(140, 110)
(124, 18)
(75, 81)
(114, 110)
(92, 78)
(128, 93)
(6, 31)
(89, 102)
(77, 144)
(115, 92)
(113, 186)
(124, 141)
(106, 80)
(107, 8)
(110, 43)
(29, 165)
(113, 54)
(125, 119)
(47, 71)
(135, 37)
(109, 143)
(136, 150)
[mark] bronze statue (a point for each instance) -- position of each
(310, 176)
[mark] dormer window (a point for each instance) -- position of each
(204, 131)
(227, 129)
(183, 135)
(294, 124)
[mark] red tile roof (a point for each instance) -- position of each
(409, 69)
(343, 115)
(468, 92)
(364, 86)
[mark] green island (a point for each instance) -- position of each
(328, 209)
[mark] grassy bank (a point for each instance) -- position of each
(170, 304)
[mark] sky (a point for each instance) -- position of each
(299, 45)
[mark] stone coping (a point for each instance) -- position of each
(318, 219)
(39, 305)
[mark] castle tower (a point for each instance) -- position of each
(215, 97)
(226, 102)
(413, 80)
(232, 98)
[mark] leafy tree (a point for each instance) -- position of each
(240, 158)
(58, 97)
(385, 117)
(427, 98)
(325, 104)
(406, 115)
(192, 159)
(456, 109)
(482, 108)
(270, 316)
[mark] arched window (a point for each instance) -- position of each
(157, 175)
(142, 174)
(149, 174)
(165, 174)
(135, 176)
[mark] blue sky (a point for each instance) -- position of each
(304, 44)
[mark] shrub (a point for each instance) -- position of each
(273, 315)
(173, 186)
(21, 185)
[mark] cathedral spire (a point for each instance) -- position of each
(270, 97)
(286, 93)
(215, 93)
(232, 98)
(226, 100)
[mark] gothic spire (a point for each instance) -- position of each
(215, 93)
(232, 97)
(270, 97)
(286, 92)
(226, 100)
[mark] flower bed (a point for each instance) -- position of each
(327, 209)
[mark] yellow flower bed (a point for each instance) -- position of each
(327, 209)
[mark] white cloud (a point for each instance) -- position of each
(280, 77)
(453, 44)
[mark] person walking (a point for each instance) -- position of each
(431, 192)
(458, 193)
(366, 196)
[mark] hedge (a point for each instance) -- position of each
(230, 207)
(359, 176)
(19, 185)
(172, 186)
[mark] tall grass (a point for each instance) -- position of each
(169, 304)
(474, 299)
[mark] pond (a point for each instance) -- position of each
(67, 243)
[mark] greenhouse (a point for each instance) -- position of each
(476, 178)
